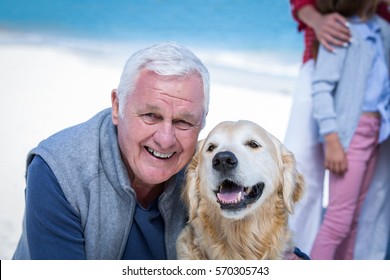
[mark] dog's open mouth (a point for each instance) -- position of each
(232, 196)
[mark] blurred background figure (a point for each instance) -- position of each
(330, 31)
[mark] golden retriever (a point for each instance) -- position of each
(241, 186)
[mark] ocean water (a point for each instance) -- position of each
(254, 40)
(255, 25)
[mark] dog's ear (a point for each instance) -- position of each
(293, 182)
(191, 188)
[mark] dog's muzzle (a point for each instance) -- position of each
(231, 195)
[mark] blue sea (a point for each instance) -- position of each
(258, 37)
(229, 24)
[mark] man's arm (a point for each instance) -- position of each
(53, 228)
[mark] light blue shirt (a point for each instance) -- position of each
(377, 95)
(352, 80)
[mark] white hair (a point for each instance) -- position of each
(167, 59)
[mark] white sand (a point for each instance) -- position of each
(46, 88)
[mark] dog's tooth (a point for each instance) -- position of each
(220, 198)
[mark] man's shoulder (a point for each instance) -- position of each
(74, 155)
(76, 148)
(75, 136)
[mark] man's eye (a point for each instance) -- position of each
(182, 125)
(150, 118)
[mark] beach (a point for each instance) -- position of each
(48, 87)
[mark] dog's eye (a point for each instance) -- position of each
(253, 144)
(211, 147)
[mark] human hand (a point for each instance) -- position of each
(332, 29)
(335, 156)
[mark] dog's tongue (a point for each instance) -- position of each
(229, 192)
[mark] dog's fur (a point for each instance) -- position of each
(227, 226)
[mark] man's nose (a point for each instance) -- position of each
(165, 135)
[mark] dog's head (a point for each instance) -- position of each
(238, 167)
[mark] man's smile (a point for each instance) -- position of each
(158, 154)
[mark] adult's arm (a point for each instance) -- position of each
(329, 29)
(383, 10)
(297, 5)
(54, 230)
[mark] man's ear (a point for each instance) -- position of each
(114, 107)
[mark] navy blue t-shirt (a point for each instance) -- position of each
(54, 228)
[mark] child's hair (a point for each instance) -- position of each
(346, 8)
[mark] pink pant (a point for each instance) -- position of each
(336, 237)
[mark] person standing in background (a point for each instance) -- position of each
(353, 119)
(374, 224)
(331, 30)
(301, 136)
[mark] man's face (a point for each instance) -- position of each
(161, 121)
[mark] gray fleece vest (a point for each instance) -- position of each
(87, 164)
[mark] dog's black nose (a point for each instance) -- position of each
(224, 161)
